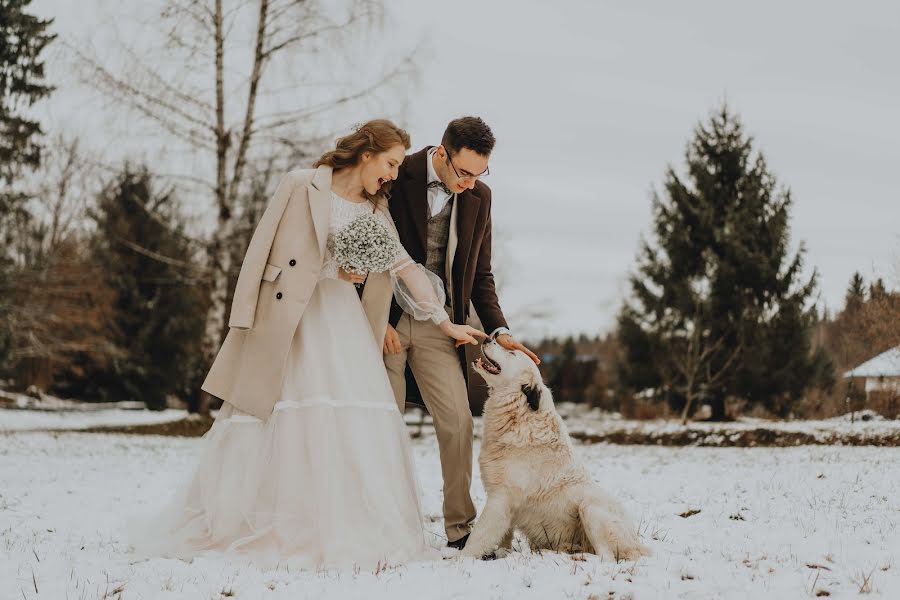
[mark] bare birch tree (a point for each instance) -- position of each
(217, 94)
(60, 301)
(689, 355)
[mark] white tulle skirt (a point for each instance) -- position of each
(327, 480)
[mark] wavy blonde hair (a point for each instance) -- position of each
(376, 136)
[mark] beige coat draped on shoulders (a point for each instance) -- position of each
(279, 273)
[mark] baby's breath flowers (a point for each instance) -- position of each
(364, 245)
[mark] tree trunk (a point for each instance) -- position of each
(217, 318)
(717, 404)
(219, 256)
(686, 411)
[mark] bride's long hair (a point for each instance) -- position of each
(376, 136)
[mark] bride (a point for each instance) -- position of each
(308, 460)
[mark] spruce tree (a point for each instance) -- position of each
(856, 295)
(160, 303)
(877, 290)
(718, 306)
(23, 38)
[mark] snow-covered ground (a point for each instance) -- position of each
(863, 425)
(772, 523)
(41, 415)
(88, 416)
(31, 419)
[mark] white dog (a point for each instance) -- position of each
(533, 480)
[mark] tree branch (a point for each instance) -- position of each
(247, 133)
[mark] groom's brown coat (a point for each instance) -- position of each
(279, 273)
(468, 248)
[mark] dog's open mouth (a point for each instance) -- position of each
(487, 364)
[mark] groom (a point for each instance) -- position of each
(443, 214)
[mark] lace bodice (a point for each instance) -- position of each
(418, 291)
(342, 213)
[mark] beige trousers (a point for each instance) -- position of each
(435, 364)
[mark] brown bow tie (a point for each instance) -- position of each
(440, 184)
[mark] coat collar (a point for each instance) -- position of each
(468, 202)
(320, 204)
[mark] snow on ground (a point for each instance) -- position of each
(24, 420)
(87, 416)
(583, 420)
(772, 522)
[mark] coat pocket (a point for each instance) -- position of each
(271, 273)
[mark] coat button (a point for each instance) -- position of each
(293, 262)
(278, 296)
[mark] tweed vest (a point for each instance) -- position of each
(438, 234)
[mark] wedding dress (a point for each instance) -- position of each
(328, 478)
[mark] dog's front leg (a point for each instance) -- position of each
(492, 529)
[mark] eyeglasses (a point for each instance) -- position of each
(465, 174)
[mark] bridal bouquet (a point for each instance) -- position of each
(364, 245)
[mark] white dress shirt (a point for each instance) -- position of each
(437, 197)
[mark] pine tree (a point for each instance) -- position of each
(23, 38)
(856, 294)
(576, 377)
(868, 324)
(718, 307)
(877, 290)
(160, 303)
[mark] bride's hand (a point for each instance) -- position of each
(350, 276)
(463, 334)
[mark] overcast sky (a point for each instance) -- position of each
(591, 100)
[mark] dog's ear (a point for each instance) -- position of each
(532, 395)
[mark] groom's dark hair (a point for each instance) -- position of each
(468, 132)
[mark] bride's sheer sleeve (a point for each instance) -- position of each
(418, 291)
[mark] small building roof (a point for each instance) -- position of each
(886, 364)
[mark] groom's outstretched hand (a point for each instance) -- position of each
(463, 334)
(509, 343)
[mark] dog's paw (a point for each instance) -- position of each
(629, 552)
(471, 552)
(483, 554)
(639, 551)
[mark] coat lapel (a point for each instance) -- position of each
(466, 206)
(452, 244)
(320, 204)
(417, 193)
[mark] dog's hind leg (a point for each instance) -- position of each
(609, 532)
(492, 530)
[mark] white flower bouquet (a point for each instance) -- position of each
(364, 245)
